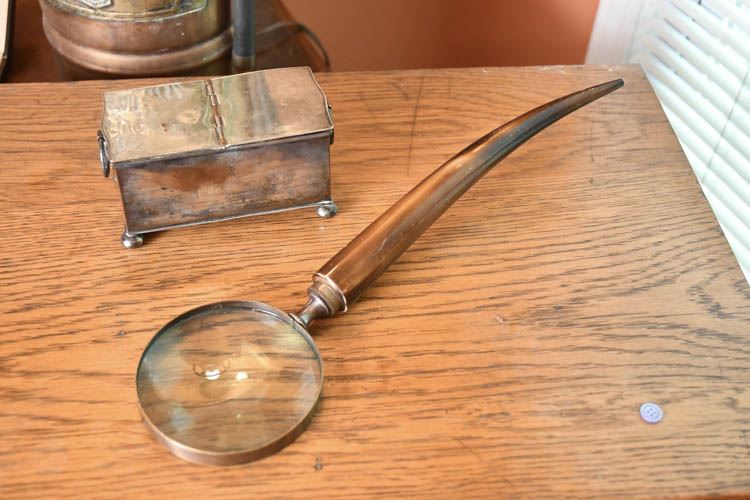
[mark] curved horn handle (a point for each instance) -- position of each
(351, 271)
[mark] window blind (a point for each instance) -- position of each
(696, 54)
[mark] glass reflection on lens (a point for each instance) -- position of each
(228, 378)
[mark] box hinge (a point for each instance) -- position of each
(217, 120)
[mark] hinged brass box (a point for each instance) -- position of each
(216, 149)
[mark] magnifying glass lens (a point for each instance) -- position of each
(225, 379)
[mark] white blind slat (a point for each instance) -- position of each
(731, 224)
(701, 38)
(711, 94)
(660, 79)
(696, 67)
(733, 183)
(734, 148)
(743, 256)
(737, 14)
(702, 152)
(736, 39)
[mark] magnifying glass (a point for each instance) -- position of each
(232, 382)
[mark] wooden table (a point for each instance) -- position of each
(508, 352)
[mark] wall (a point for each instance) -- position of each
(397, 34)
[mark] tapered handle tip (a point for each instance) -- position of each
(607, 87)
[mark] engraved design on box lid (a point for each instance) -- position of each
(206, 115)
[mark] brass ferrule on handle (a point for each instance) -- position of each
(350, 272)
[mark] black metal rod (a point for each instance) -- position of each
(243, 47)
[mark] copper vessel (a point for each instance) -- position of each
(125, 38)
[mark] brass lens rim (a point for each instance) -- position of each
(203, 457)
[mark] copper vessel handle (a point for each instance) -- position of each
(350, 272)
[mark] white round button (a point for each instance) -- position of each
(651, 413)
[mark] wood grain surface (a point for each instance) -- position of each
(506, 354)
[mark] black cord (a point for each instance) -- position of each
(297, 27)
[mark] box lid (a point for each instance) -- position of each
(213, 114)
